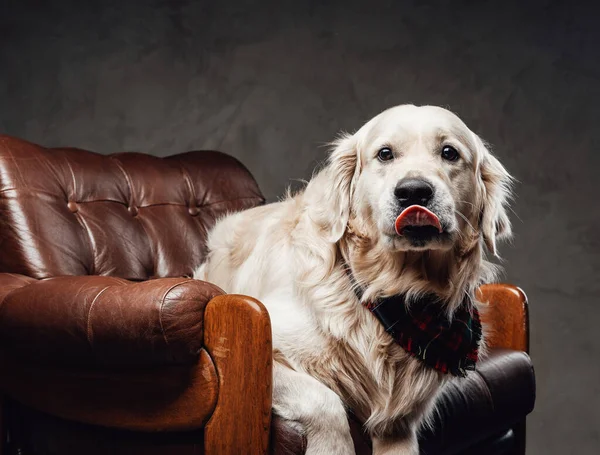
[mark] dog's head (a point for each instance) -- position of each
(418, 179)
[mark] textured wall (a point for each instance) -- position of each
(271, 83)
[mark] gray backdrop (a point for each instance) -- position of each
(271, 81)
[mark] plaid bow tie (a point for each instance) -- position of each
(425, 332)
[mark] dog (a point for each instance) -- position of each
(406, 206)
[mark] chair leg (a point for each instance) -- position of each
(3, 433)
(520, 433)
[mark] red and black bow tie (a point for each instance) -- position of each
(424, 330)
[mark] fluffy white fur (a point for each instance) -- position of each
(330, 353)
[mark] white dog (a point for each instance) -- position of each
(399, 214)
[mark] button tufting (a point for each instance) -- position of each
(72, 206)
(133, 210)
(193, 210)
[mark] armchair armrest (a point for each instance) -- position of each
(505, 315)
(162, 355)
(96, 320)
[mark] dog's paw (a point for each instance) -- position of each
(329, 443)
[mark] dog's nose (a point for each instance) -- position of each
(413, 191)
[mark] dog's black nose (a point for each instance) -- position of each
(413, 191)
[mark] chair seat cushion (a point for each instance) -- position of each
(498, 394)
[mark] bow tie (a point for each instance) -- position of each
(424, 330)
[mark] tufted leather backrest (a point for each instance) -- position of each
(73, 212)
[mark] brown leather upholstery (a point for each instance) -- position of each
(499, 394)
(93, 320)
(97, 322)
(133, 216)
(95, 303)
(34, 432)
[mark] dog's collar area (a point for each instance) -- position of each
(424, 331)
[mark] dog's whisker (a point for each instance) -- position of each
(465, 219)
(466, 202)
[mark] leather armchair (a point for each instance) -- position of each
(107, 345)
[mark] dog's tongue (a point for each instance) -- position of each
(416, 215)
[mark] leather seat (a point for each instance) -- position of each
(496, 396)
(472, 410)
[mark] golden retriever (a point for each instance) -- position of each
(305, 256)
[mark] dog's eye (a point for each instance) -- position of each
(385, 154)
(449, 153)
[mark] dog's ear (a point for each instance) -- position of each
(330, 192)
(497, 184)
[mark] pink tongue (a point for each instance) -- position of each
(416, 215)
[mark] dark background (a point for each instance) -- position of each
(271, 81)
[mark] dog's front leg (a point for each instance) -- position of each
(405, 445)
(306, 402)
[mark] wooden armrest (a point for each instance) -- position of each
(505, 316)
(227, 392)
(240, 327)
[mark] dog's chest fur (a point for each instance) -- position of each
(381, 384)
